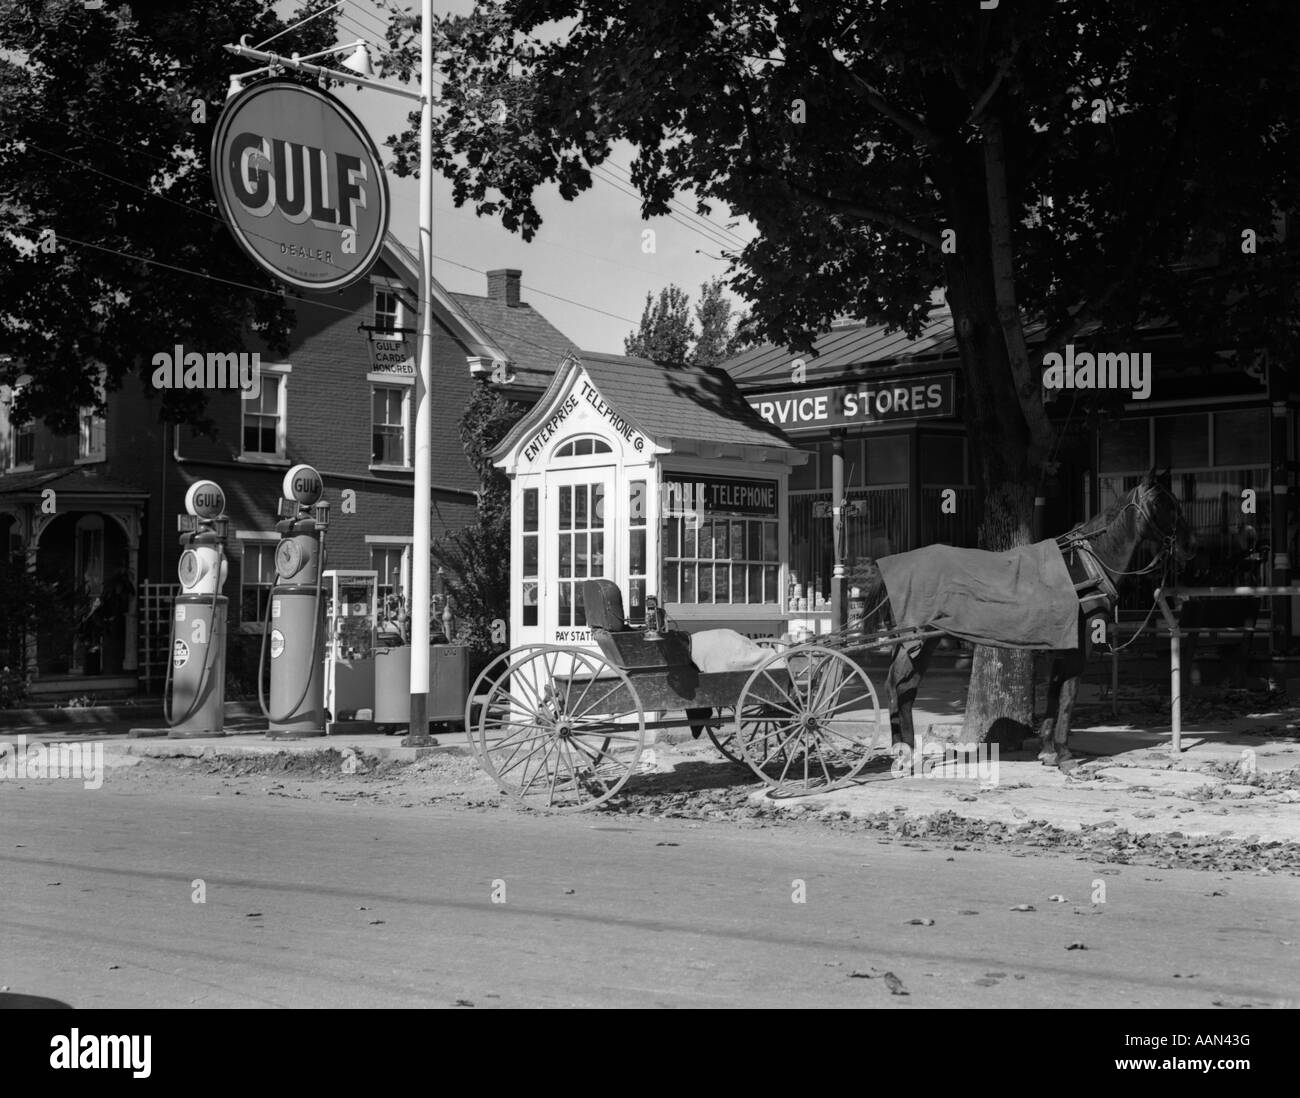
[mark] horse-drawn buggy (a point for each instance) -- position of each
(564, 727)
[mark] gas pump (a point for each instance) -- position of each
(196, 669)
(295, 613)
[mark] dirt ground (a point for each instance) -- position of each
(692, 783)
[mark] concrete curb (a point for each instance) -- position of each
(216, 749)
(150, 710)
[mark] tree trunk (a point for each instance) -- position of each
(999, 703)
(1000, 700)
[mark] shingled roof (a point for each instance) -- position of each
(841, 348)
(670, 404)
(534, 346)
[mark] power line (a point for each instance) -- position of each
(740, 242)
(716, 241)
(211, 217)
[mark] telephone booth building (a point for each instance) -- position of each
(660, 478)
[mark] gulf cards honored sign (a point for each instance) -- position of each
(300, 184)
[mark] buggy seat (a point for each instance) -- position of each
(708, 651)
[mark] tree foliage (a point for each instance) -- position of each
(667, 332)
(106, 120)
(1049, 159)
(476, 560)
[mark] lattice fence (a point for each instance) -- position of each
(155, 602)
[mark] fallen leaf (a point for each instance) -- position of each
(1076, 945)
(920, 922)
(464, 1003)
(667, 844)
(253, 915)
(569, 891)
(968, 913)
(376, 922)
(1024, 907)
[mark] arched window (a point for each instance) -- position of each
(578, 447)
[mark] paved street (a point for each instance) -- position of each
(319, 895)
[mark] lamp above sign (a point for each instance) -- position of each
(300, 184)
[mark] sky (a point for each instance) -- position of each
(588, 251)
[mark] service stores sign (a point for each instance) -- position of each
(862, 402)
(300, 184)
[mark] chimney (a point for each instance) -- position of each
(503, 285)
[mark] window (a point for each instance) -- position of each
(24, 445)
(1183, 442)
(581, 546)
(1124, 447)
(636, 567)
(387, 560)
(90, 437)
(388, 310)
(581, 447)
(1241, 437)
(257, 575)
(530, 557)
(388, 425)
(719, 558)
(943, 460)
(264, 419)
(17, 444)
(887, 459)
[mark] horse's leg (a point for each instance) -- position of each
(1047, 749)
(905, 675)
(892, 684)
(1071, 672)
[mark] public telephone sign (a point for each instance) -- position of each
(301, 185)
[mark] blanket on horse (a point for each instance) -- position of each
(1023, 598)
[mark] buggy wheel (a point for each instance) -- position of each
(808, 720)
(474, 710)
(558, 728)
(761, 723)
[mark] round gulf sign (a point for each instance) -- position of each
(205, 499)
(303, 483)
(300, 184)
(180, 654)
(277, 644)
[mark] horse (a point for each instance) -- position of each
(1095, 553)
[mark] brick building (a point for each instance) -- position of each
(118, 483)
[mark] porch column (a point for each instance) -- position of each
(1280, 512)
(131, 639)
(839, 605)
(30, 546)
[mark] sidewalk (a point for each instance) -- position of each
(1236, 778)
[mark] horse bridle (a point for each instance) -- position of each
(1167, 538)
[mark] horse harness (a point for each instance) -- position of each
(1096, 590)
